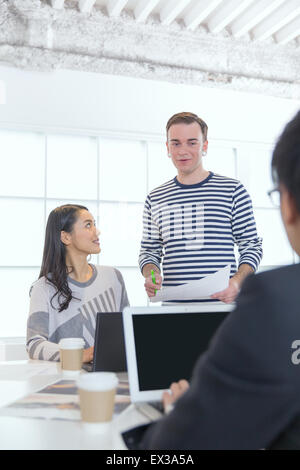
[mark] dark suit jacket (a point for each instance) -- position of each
(245, 389)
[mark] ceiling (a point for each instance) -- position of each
(259, 20)
(243, 45)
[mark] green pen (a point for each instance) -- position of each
(153, 278)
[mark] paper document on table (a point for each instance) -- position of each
(60, 401)
(204, 287)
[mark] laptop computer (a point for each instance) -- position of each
(164, 343)
(109, 347)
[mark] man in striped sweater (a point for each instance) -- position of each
(193, 221)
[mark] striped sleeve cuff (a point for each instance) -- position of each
(39, 348)
(149, 260)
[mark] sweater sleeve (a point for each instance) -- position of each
(38, 346)
(152, 244)
(124, 297)
(244, 229)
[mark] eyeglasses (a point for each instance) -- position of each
(274, 195)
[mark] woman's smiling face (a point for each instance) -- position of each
(84, 237)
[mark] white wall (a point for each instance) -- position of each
(87, 102)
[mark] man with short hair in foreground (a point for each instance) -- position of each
(244, 393)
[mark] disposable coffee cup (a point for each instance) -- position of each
(97, 398)
(71, 354)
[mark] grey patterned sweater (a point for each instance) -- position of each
(104, 292)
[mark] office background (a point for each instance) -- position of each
(98, 139)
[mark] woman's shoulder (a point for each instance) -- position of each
(106, 270)
(109, 272)
(40, 285)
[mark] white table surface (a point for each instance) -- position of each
(21, 378)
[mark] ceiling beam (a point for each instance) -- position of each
(200, 12)
(253, 15)
(273, 23)
(57, 4)
(288, 32)
(85, 6)
(144, 8)
(226, 13)
(114, 7)
(172, 10)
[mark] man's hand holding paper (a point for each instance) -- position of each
(201, 288)
(229, 294)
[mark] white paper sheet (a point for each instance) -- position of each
(204, 287)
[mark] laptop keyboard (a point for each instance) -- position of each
(152, 411)
(157, 405)
(88, 366)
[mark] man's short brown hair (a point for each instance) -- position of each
(187, 118)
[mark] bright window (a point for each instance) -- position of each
(277, 250)
(15, 284)
(254, 170)
(71, 167)
(22, 231)
(121, 231)
(111, 177)
(22, 164)
(123, 170)
(221, 160)
(160, 166)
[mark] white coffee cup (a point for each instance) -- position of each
(71, 354)
(97, 397)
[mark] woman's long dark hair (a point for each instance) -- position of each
(54, 266)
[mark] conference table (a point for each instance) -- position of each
(22, 380)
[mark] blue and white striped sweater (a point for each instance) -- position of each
(192, 229)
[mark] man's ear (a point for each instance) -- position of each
(65, 237)
(168, 150)
(205, 145)
(288, 207)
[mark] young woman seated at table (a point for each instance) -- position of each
(70, 291)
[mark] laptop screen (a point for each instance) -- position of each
(163, 344)
(168, 346)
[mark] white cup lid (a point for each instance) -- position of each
(71, 343)
(97, 381)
